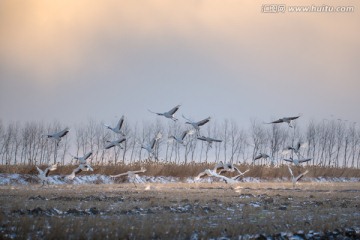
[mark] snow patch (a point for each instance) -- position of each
(26, 179)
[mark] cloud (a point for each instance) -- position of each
(176, 50)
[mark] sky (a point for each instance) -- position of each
(70, 61)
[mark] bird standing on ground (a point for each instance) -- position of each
(169, 114)
(288, 120)
(43, 175)
(118, 127)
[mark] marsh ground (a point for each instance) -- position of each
(175, 210)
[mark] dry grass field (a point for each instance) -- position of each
(180, 211)
(191, 170)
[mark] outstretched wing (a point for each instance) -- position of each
(258, 157)
(120, 124)
(203, 122)
(153, 143)
(174, 110)
(119, 175)
(304, 160)
(110, 145)
(87, 155)
(154, 112)
(200, 175)
(215, 140)
(276, 121)
(183, 135)
(301, 175)
(53, 167)
(291, 172)
(288, 160)
(77, 170)
(63, 132)
(202, 138)
(293, 118)
(46, 172)
(39, 170)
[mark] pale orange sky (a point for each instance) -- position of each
(69, 59)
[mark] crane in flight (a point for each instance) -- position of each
(297, 162)
(261, 156)
(287, 120)
(83, 159)
(180, 139)
(265, 157)
(209, 140)
(43, 175)
(168, 114)
(296, 179)
(114, 143)
(150, 148)
(58, 135)
(198, 124)
(79, 169)
(118, 127)
(228, 167)
(296, 149)
(132, 175)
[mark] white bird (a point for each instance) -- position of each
(43, 175)
(296, 179)
(228, 167)
(296, 148)
(261, 155)
(297, 162)
(209, 140)
(212, 173)
(57, 136)
(198, 124)
(240, 174)
(79, 169)
(288, 120)
(82, 160)
(180, 139)
(265, 157)
(118, 127)
(169, 114)
(129, 173)
(114, 143)
(150, 148)
(132, 175)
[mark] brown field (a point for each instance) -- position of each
(176, 210)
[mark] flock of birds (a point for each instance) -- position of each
(150, 148)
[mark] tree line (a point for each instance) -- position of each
(332, 143)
